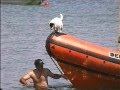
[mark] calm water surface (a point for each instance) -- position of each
(24, 30)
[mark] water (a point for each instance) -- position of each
(24, 30)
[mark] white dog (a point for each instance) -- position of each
(56, 24)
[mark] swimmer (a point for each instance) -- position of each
(39, 76)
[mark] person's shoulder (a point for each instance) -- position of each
(31, 72)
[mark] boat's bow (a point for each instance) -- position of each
(85, 64)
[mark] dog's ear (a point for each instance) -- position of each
(51, 25)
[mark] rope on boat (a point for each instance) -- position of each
(57, 66)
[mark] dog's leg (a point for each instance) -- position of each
(59, 31)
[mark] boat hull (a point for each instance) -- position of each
(86, 65)
(85, 79)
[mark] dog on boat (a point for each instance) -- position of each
(56, 24)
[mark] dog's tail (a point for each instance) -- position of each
(61, 16)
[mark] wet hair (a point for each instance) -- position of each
(38, 62)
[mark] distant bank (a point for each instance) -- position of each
(21, 2)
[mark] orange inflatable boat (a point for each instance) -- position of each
(86, 65)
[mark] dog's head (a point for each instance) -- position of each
(51, 25)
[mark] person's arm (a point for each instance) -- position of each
(23, 80)
(55, 76)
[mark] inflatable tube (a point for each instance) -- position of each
(84, 62)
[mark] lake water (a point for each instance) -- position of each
(24, 30)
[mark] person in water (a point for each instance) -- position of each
(39, 76)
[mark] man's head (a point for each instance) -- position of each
(38, 63)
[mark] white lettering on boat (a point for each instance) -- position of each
(114, 55)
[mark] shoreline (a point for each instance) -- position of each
(21, 2)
